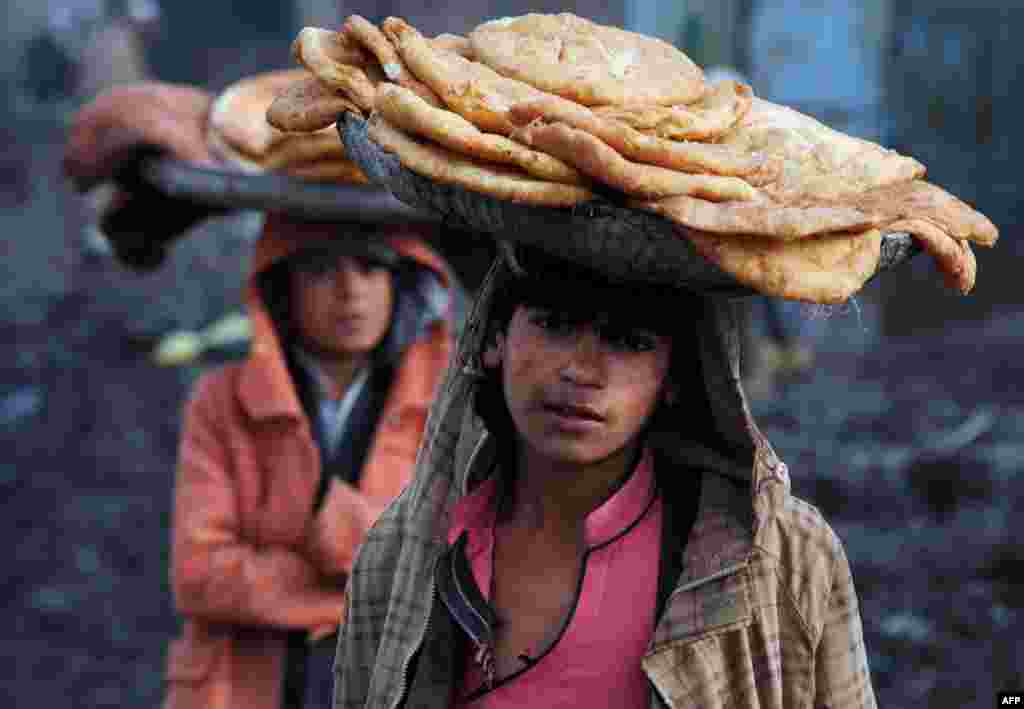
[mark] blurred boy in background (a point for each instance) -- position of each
(287, 457)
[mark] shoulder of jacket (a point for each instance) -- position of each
(437, 344)
(215, 388)
(423, 365)
(802, 517)
(385, 537)
(808, 552)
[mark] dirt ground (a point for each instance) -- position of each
(911, 447)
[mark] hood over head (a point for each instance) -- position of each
(424, 288)
(283, 236)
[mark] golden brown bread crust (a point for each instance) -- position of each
(454, 43)
(767, 220)
(477, 93)
(373, 40)
(716, 113)
(827, 268)
(692, 157)
(586, 62)
(603, 163)
(445, 166)
(240, 133)
(305, 147)
(226, 153)
(326, 55)
(308, 105)
(404, 110)
(238, 114)
(813, 160)
(326, 45)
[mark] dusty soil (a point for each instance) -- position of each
(919, 471)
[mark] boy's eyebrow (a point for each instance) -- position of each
(617, 318)
(588, 300)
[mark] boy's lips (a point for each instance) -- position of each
(575, 411)
(351, 323)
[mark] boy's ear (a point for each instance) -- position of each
(494, 352)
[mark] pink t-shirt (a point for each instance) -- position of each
(596, 661)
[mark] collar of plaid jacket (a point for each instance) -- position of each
(392, 592)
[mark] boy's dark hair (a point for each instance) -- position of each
(551, 283)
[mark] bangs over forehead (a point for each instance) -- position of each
(584, 295)
(324, 244)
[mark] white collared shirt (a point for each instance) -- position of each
(333, 414)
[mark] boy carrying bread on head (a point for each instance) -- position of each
(597, 521)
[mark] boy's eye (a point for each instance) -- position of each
(556, 323)
(319, 269)
(326, 267)
(633, 340)
(369, 265)
(365, 266)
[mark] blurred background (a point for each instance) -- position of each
(900, 415)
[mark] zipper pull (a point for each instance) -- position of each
(484, 658)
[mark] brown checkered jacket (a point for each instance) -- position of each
(764, 614)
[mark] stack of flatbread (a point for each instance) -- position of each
(556, 110)
(238, 133)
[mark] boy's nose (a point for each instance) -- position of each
(585, 365)
(348, 278)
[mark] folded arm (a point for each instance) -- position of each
(216, 573)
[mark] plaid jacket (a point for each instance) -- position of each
(763, 615)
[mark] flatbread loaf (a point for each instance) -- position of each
(314, 44)
(240, 134)
(444, 166)
(815, 161)
(453, 43)
(327, 55)
(684, 156)
(238, 114)
(918, 199)
(300, 148)
(828, 268)
(940, 222)
(475, 92)
(718, 112)
(373, 40)
(226, 153)
(603, 163)
(586, 62)
(408, 112)
(953, 258)
(765, 219)
(308, 105)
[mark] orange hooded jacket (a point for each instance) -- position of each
(251, 560)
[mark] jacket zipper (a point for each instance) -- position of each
(484, 654)
(484, 657)
(404, 686)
